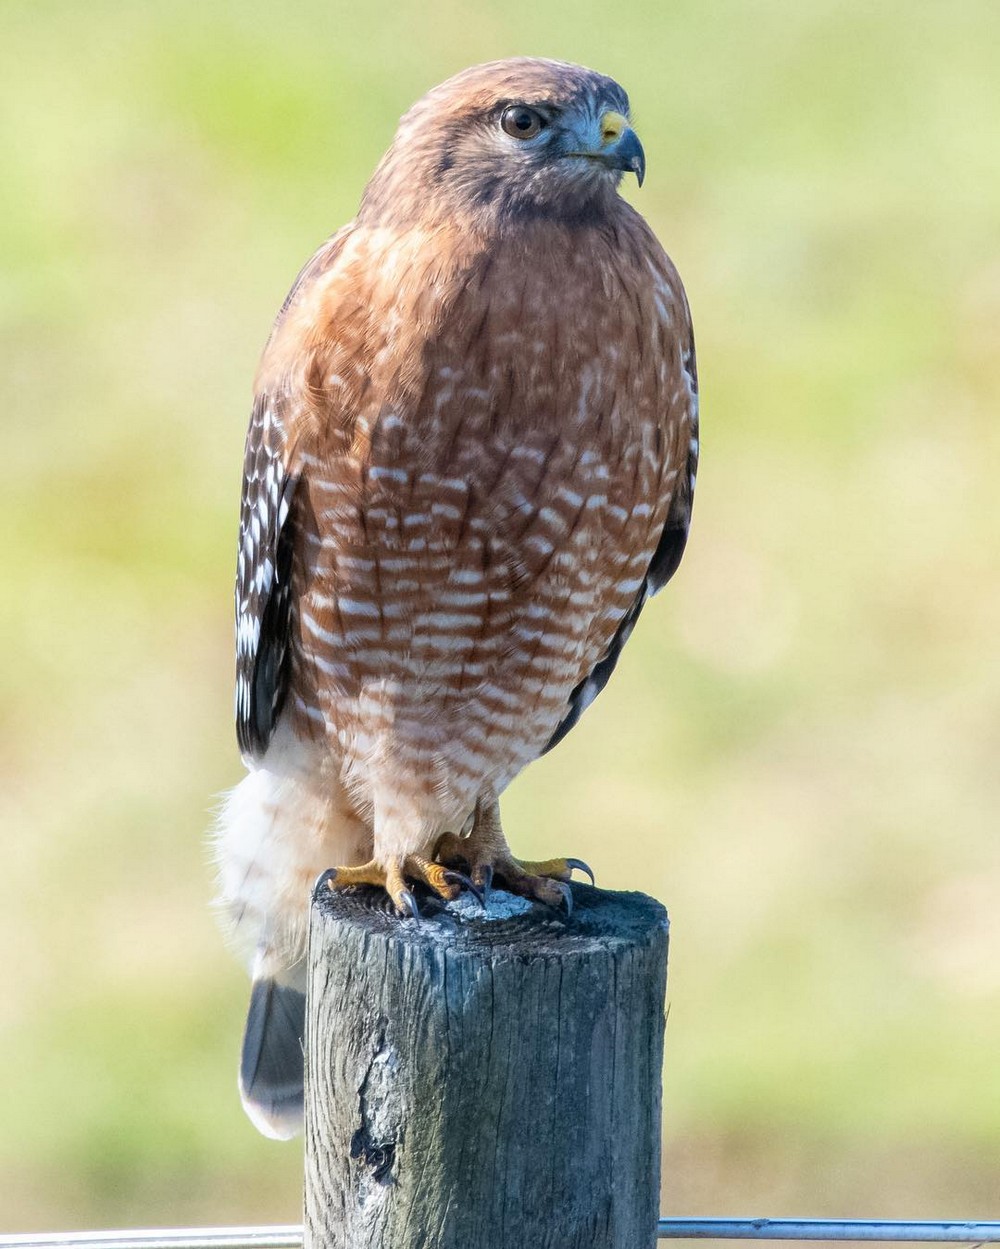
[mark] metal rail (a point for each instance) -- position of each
(826, 1229)
(667, 1229)
(168, 1238)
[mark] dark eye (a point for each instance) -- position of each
(522, 122)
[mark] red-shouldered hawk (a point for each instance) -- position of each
(471, 460)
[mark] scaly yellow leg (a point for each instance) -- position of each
(393, 876)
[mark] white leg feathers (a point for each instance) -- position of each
(283, 824)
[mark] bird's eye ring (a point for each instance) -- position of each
(522, 122)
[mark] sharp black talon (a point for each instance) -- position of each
(325, 878)
(581, 867)
(487, 882)
(410, 903)
(457, 878)
(567, 894)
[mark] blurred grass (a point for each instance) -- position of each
(799, 752)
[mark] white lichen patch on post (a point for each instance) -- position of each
(499, 905)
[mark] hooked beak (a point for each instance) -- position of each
(620, 146)
(626, 153)
(617, 147)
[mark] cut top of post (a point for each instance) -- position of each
(507, 926)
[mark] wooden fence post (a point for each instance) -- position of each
(485, 1080)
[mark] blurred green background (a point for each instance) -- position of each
(799, 751)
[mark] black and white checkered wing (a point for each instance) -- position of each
(263, 581)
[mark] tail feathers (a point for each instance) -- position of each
(271, 1066)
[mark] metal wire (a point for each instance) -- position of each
(826, 1229)
(169, 1238)
(667, 1229)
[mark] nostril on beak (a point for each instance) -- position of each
(612, 125)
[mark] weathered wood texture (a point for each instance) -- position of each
(484, 1081)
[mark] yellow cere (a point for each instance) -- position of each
(612, 125)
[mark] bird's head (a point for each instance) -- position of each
(518, 137)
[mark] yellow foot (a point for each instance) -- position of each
(393, 876)
(487, 855)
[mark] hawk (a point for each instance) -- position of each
(470, 462)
